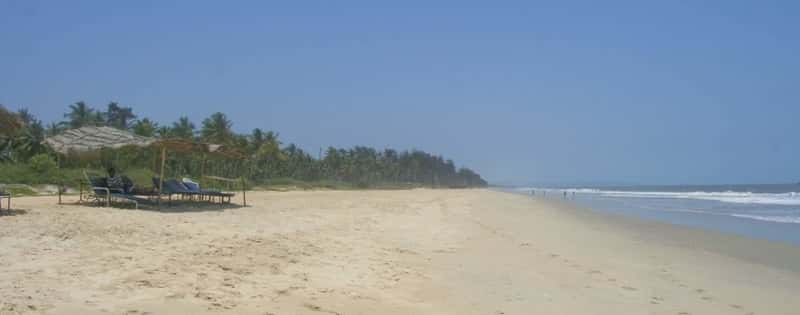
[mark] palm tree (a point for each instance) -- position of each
(54, 128)
(163, 132)
(98, 119)
(10, 125)
(145, 127)
(183, 128)
(25, 115)
(119, 117)
(31, 140)
(217, 129)
(80, 115)
(22, 135)
(268, 155)
(257, 138)
(9, 122)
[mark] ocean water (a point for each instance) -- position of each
(769, 212)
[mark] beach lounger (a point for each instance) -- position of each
(5, 195)
(173, 187)
(101, 193)
(195, 187)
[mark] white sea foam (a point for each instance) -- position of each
(788, 199)
(781, 219)
(780, 215)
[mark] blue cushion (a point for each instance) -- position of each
(192, 186)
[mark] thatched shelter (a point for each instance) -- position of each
(87, 139)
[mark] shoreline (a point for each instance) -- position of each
(422, 251)
(778, 254)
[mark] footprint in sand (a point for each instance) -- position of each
(317, 308)
(704, 295)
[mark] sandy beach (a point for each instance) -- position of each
(380, 252)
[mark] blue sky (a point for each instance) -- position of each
(648, 92)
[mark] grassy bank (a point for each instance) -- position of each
(286, 184)
(27, 179)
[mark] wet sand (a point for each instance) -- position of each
(380, 252)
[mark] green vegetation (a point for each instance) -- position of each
(270, 164)
(20, 191)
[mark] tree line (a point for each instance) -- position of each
(22, 135)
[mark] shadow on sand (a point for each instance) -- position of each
(178, 207)
(12, 212)
(167, 207)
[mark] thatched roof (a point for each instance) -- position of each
(87, 139)
(94, 138)
(183, 145)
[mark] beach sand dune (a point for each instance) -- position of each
(380, 252)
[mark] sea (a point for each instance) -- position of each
(763, 211)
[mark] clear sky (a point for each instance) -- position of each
(648, 92)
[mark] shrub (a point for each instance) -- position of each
(42, 164)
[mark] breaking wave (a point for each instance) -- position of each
(786, 199)
(780, 219)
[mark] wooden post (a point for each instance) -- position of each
(202, 168)
(244, 192)
(161, 177)
(58, 159)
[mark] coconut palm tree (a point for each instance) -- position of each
(183, 128)
(30, 141)
(145, 127)
(80, 115)
(9, 122)
(119, 117)
(217, 129)
(54, 128)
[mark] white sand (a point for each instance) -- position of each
(380, 252)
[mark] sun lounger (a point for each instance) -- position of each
(192, 190)
(5, 195)
(195, 187)
(101, 193)
(173, 187)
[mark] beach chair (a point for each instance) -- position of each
(100, 192)
(173, 187)
(211, 193)
(6, 195)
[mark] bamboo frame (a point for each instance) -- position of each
(161, 177)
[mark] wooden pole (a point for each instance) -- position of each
(202, 166)
(161, 177)
(244, 192)
(58, 159)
